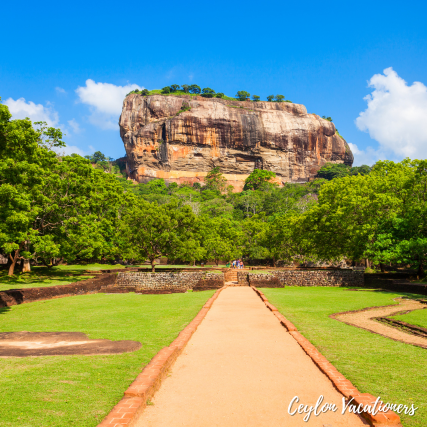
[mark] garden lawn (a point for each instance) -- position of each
(43, 276)
(374, 364)
(417, 318)
(81, 390)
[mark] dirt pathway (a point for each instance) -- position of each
(242, 369)
(364, 319)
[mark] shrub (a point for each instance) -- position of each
(280, 98)
(145, 92)
(166, 90)
(208, 90)
(185, 107)
(194, 89)
(242, 95)
(219, 95)
(270, 98)
(256, 98)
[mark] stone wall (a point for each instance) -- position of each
(264, 280)
(20, 296)
(168, 282)
(280, 278)
(242, 278)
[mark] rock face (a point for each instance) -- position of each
(181, 138)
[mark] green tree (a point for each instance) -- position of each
(329, 119)
(402, 238)
(280, 98)
(208, 92)
(51, 208)
(221, 239)
(286, 239)
(185, 88)
(351, 211)
(253, 237)
(149, 231)
(145, 92)
(270, 98)
(256, 98)
(166, 90)
(50, 137)
(242, 95)
(257, 178)
(215, 180)
(333, 170)
(174, 88)
(194, 89)
(219, 95)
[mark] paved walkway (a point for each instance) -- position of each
(242, 369)
(365, 319)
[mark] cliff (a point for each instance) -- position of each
(181, 138)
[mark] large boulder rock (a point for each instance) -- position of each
(181, 138)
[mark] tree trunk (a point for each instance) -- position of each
(367, 264)
(153, 265)
(420, 272)
(382, 267)
(26, 266)
(217, 262)
(13, 262)
(194, 262)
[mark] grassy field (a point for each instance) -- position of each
(417, 318)
(80, 390)
(395, 371)
(64, 275)
(42, 276)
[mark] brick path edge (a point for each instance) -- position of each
(340, 382)
(127, 412)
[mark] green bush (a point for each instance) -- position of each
(242, 95)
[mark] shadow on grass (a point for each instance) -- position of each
(387, 291)
(4, 310)
(41, 276)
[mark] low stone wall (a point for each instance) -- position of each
(242, 278)
(320, 277)
(264, 280)
(281, 278)
(20, 296)
(168, 282)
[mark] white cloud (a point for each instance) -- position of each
(105, 101)
(74, 126)
(396, 115)
(20, 109)
(60, 90)
(369, 156)
(70, 149)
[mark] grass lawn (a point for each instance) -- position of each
(64, 274)
(417, 318)
(81, 390)
(43, 276)
(380, 366)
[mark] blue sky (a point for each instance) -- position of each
(320, 54)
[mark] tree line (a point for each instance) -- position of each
(58, 208)
(241, 95)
